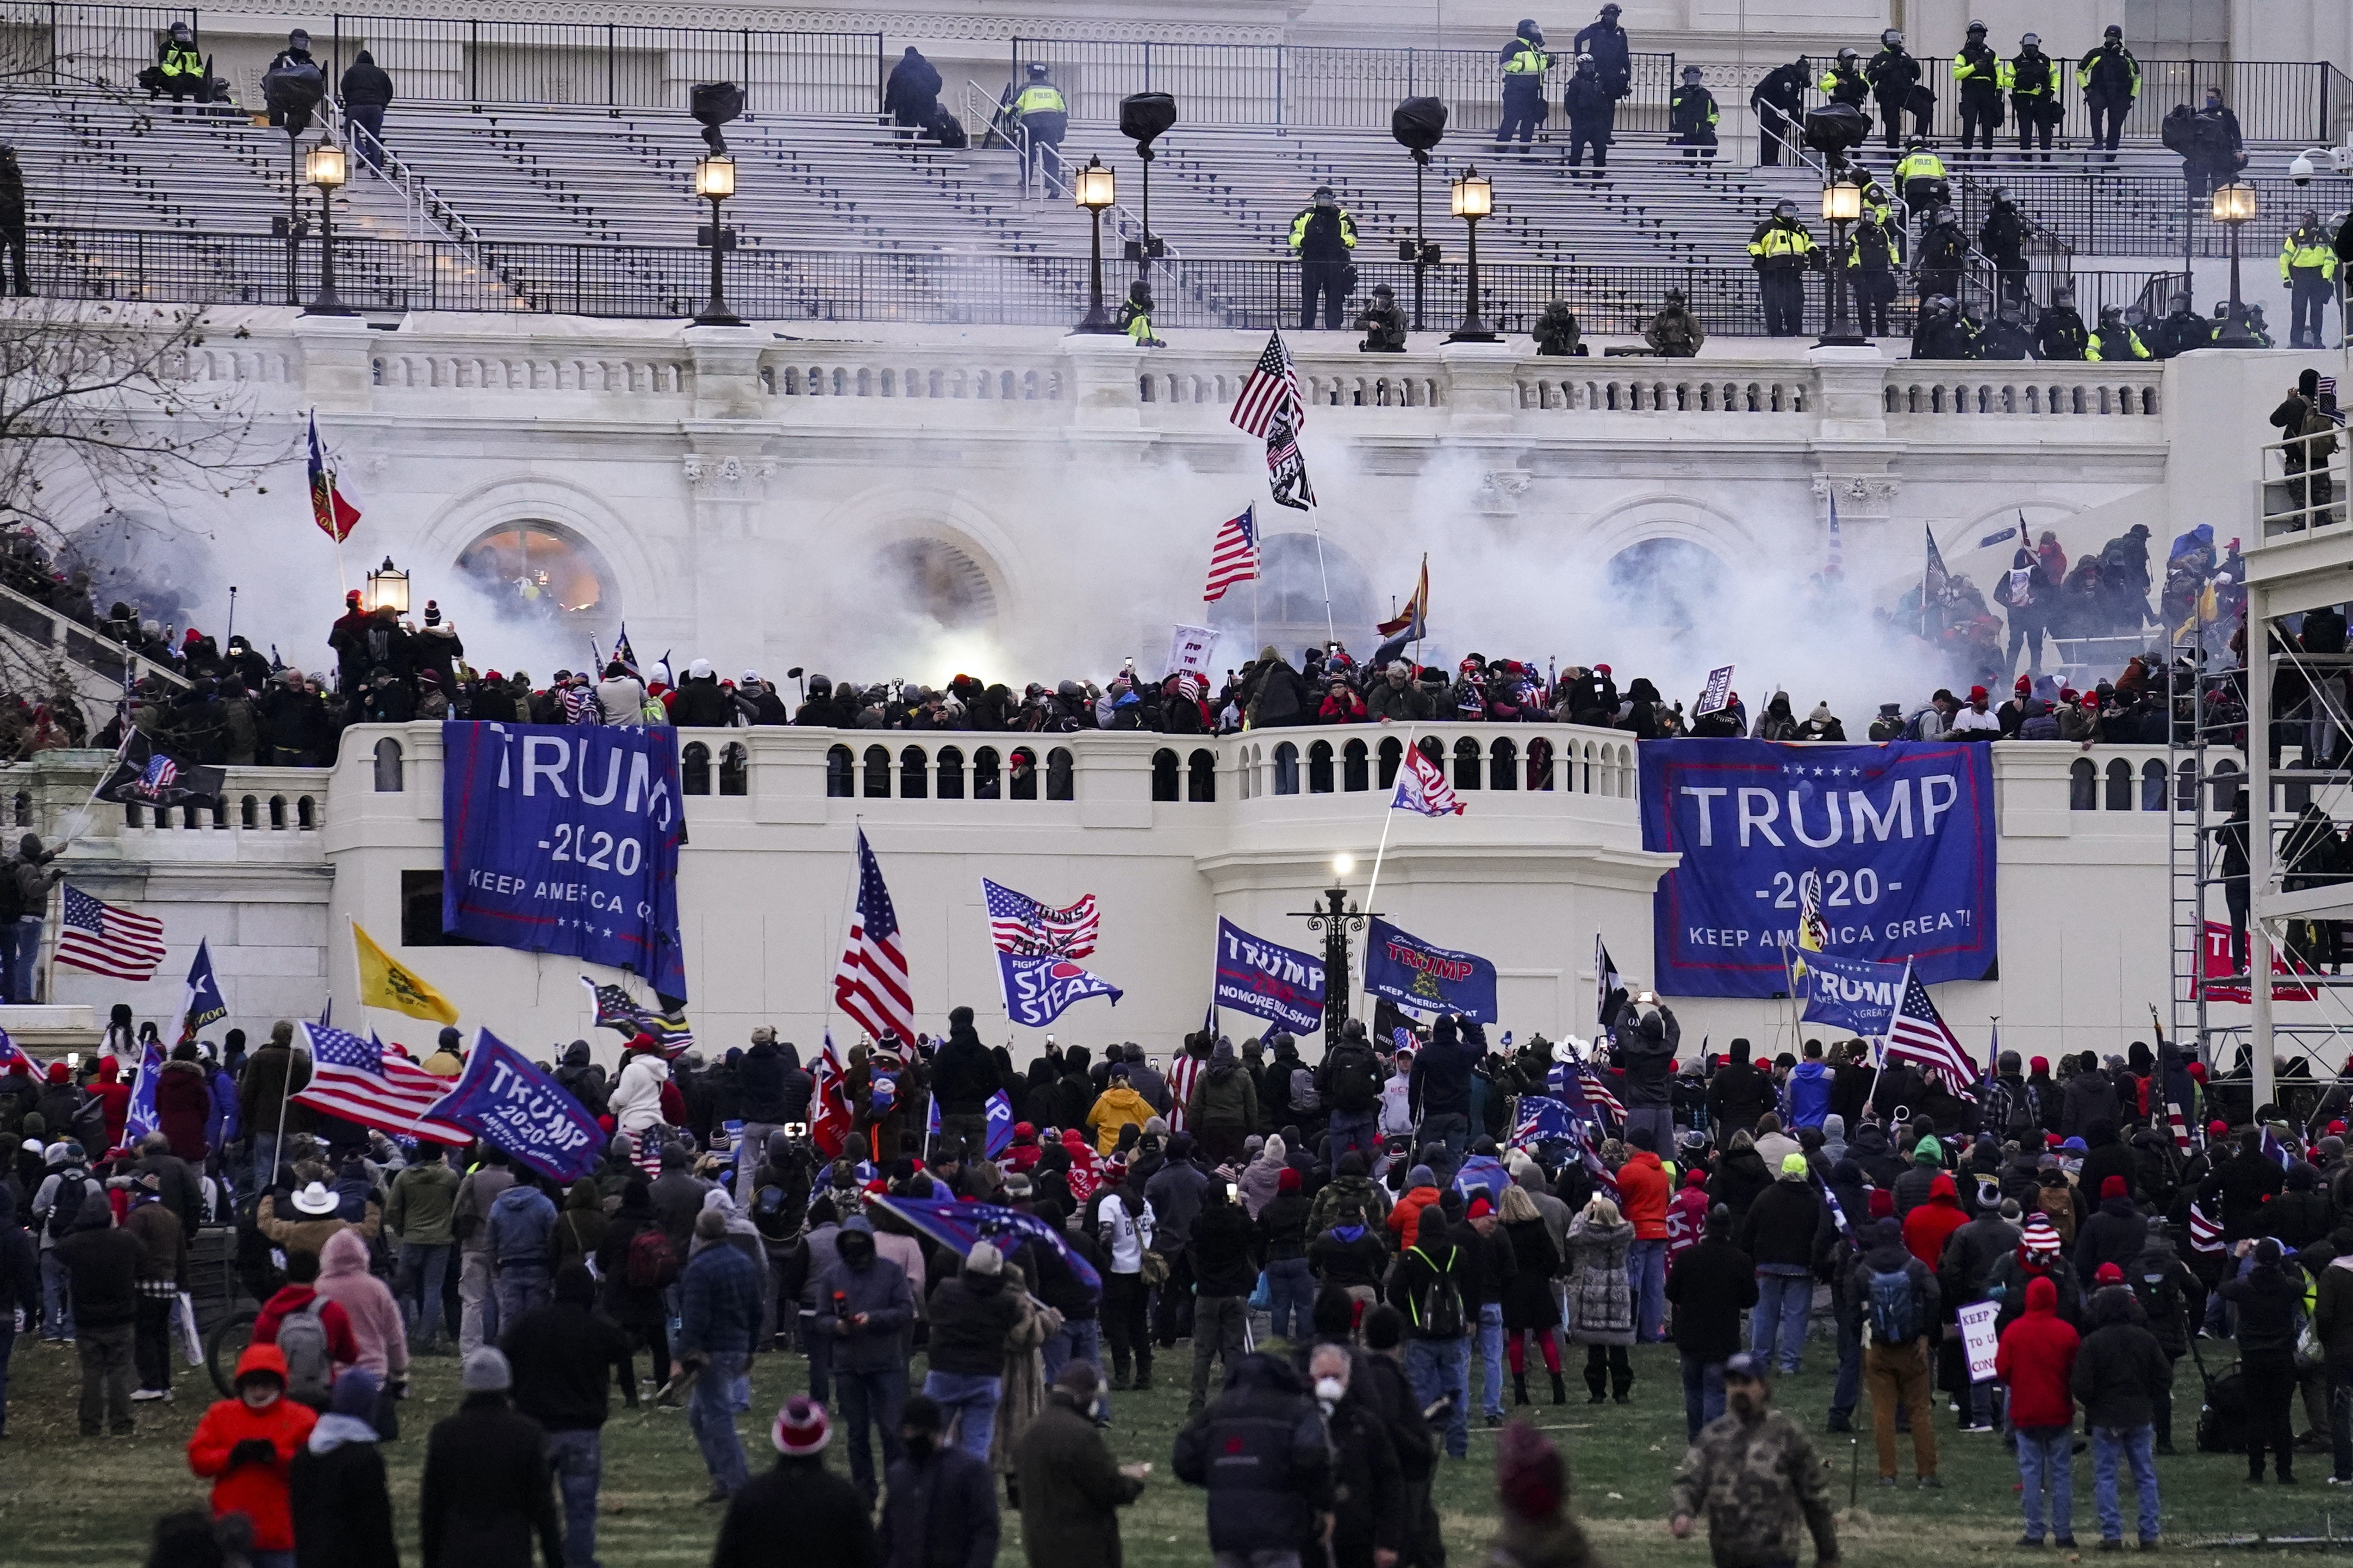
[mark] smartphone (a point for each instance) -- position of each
(796, 1128)
(73, 1059)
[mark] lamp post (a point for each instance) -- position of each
(714, 181)
(1841, 204)
(2234, 208)
(1335, 919)
(1094, 189)
(1470, 198)
(328, 168)
(388, 586)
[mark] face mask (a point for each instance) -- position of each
(1330, 1390)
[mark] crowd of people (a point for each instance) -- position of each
(1417, 1232)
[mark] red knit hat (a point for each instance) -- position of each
(2114, 1187)
(802, 1429)
(1288, 1181)
(2038, 1064)
(2218, 1128)
(1882, 1204)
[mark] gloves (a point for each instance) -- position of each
(253, 1451)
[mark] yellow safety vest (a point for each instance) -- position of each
(1299, 227)
(1777, 238)
(1526, 59)
(178, 61)
(1852, 81)
(1040, 99)
(2139, 350)
(1139, 327)
(1919, 166)
(2083, 71)
(1963, 70)
(2022, 72)
(2307, 250)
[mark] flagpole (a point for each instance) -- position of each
(1317, 529)
(1389, 814)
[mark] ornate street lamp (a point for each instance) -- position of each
(327, 169)
(1335, 919)
(1470, 198)
(388, 584)
(1094, 189)
(1841, 204)
(714, 181)
(2234, 208)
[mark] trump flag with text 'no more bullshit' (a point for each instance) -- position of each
(564, 838)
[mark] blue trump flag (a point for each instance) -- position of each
(1482, 1173)
(508, 1103)
(141, 1119)
(1037, 987)
(562, 838)
(1901, 836)
(1408, 970)
(1852, 993)
(999, 1111)
(956, 1225)
(1280, 984)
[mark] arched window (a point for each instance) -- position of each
(1165, 772)
(2185, 786)
(840, 769)
(695, 768)
(878, 772)
(541, 572)
(306, 813)
(1024, 774)
(1392, 758)
(2152, 785)
(734, 770)
(276, 814)
(2082, 786)
(986, 783)
(914, 769)
(1058, 774)
(1286, 769)
(1466, 763)
(951, 774)
(1319, 768)
(249, 813)
(388, 769)
(1356, 771)
(2226, 783)
(1201, 776)
(1502, 765)
(1540, 763)
(2120, 783)
(25, 808)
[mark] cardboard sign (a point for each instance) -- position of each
(1977, 1338)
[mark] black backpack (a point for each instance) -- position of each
(946, 130)
(2179, 131)
(2222, 1421)
(1355, 1086)
(1438, 1308)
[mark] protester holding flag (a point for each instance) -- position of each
(272, 1076)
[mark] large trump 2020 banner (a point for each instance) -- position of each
(1900, 837)
(560, 838)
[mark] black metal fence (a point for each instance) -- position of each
(601, 64)
(2275, 100)
(647, 281)
(1302, 85)
(2144, 215)
(70, 45)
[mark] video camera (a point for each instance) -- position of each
(713, 104)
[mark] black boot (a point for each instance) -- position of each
(1559, 1389)
(1519, 1388)
(1142, 1374)
(1118, 1375)
(1598, 1382)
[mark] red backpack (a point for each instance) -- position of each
(651, 1263)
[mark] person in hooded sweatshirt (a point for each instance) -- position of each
(2035, 1360)
(1778, 1233)
(337, 1495)
(521, 1222)
(1809, 1089)
(2114, 1234)
(1224, 1107)
(2090, 1096)
(373, 1314)
(1741, 1176)
(1740, 1094)
(2174, 1302)
(246, 1446)
(2269, 1303)
(2118, 1378)
(1643, 1043)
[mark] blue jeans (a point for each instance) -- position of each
(1080, 1339)
(520, 1287)
(1437, 1367)
(1703, 1393)
(57, 1300)
(1361, 1132)
(423, 1268)
(2046, 1459)
(23, 941)
(2137, 1445)
(1490, 1358)
(968, 1401)
(1778, 1322)
(871, 1399)
(711, 1413)
(577, 1457)
(1292, 1285)
(1646, 1274)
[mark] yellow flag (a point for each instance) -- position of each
(385, 983)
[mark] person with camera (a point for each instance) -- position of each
(2037, 90)
(1782, 250)
(2110, 78)
(1323, 239)
(1524, 63)
(1894, 77)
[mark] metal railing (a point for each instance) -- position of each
(2275, 100)
(612, 65)
(2142, 216)
(73, 45)
(1309, 85)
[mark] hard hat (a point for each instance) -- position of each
(2030, 40)
(1038, 69)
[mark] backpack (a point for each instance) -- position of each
(303, 1339)
(2160, 1297)
(1437, 1308)
(946, 130)
(2023, 1119)
(2222, 1419)
(1304, 1098)
(1356, 1088)
(1894, 1320)
(2179, 130)
(651, 1263)
(73, 1186)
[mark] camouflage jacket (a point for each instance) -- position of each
(1758, 1485)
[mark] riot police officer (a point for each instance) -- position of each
(1779, 102)
(2002, 237)
(1044, 117)
(1692, 116)
(2006, 337)
(1981, 76)
(1524, 63)
(2115, 340)
(1942, 332)
(1844, 83)
(1871, 260)
(1781, 250)
(1894, 77)
(1591, 110)
(1323, 237)
(2059, 331)
(2110, 78)
(2308, 272)
(2037, 93)
(1942, 253)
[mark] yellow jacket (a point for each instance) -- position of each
(1040, 99)
(2308, 249)
(1115, 1108)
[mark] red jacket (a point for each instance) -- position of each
(342, 1345)
(1642, 1195)
(116, 1098)
(1404, 1219)
(184, 1104)
(257, 1492)
(1926, 1229)
(2036, 1357)
(1687, 1217)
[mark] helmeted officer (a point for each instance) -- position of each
(2308, 270)
(2002, 237)
(1894, 77)
(181, 67)
(1323, 237)
(2181, 331)
(2114, 339)
(1044, 117)
(2037, 93)
(1980, 74)
(1779, 102)
(2059, 331)
(1871, 258)
(1692, 116)
(2110, 78)
(1524, 63)
(1942, 332)
(1920, 175)
(2006, 337)
(1944, 251)
(1781, 250)
(1612, 52)
(1591, 110)
(1844, 83)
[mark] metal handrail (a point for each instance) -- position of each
(427, 206)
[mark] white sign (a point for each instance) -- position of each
(1189, 648)
(1718, 695)
(1977, 1338)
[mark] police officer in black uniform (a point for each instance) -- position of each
(1524, 63)
(2038, 93)
(1779, 102)
(2002, 237)
(1978, 72)
(1894, 77)
(1323, 237)
(2006, 337)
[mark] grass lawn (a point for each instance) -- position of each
(66, 1500)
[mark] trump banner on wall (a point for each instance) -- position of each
(565, 838)
(1900, 834)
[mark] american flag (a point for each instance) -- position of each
(617, 1010)
(1598, 1092)
(108, 940)
(1918, 1034)
(1233, 558)
(1542, 1118)
(2205, 1236)
(1272, 387)
(12, 1056)
(1421, 787)
(1183, 1073)
(871, 983)
(358, 1080)
(1286, 470)
(162, 771)
(2179, 1125)
(1021, 925)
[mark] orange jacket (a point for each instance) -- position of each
(1404, 1219)
(1642, 1195)
(257, 1492)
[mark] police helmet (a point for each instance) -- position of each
(1674, 296)
(1916, 144)
(1610, 10)
(1585, 60)
(2111, 313)
(1847, 56)
(2114, 32)
(1945, 216)
(298, 39)
(1977, 29)
(2030, 40)
(1323, 193)
(1528, 29)
(1892, 38)
(1693, 73)
(2177, 301)
(1785, 207)
(1037, 70)
(180, 33)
